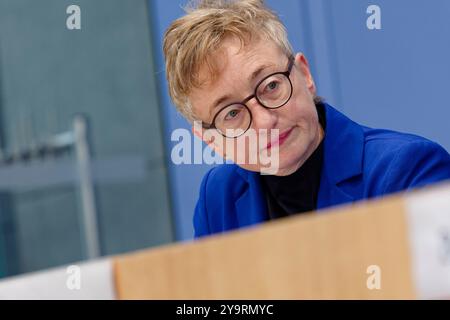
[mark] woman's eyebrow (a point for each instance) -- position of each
(217, 103)
(252, 77)
(258, 71)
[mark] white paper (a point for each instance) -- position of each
(95, 282)
(428, 215)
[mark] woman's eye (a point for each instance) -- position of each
(272, 86)
(232, 114)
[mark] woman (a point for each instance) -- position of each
(230, 66)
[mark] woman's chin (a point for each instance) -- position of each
(288, 166)
(282, 165)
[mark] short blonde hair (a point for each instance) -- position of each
(190, 40)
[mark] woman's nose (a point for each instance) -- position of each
(263, 118)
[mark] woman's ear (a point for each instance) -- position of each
(197, 131)
(215, 141)
(303, 66)
(211, 137)
(203, 134)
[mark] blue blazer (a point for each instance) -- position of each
(359, 163)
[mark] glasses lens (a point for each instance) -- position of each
(233, 120)
(274, 91)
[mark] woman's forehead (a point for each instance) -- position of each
(244, 62)
(233, 69)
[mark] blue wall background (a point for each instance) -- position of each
(395, 78)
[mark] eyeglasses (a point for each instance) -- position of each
(272, 92)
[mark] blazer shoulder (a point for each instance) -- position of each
(224, 183)
(388, 143)
(219, 189)
(401, 161)
(223, 176)
(395, 138)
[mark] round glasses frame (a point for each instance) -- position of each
(254, 95)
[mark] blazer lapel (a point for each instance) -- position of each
(251, 206)
(343, 158)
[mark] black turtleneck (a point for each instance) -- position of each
(297, 192)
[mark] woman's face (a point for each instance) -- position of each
(239, 72)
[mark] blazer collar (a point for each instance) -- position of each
(344, 147)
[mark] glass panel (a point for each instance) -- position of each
(48, 74)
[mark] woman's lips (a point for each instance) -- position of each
(281, 139)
